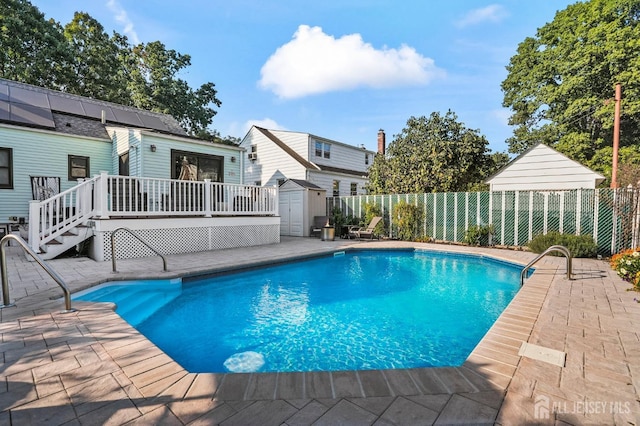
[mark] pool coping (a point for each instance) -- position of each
(148, 373)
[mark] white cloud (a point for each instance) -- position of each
(121, 16)
(491, 13)
(314, 62)
(265, 123)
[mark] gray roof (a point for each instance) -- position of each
(303, 183)
(32, 106)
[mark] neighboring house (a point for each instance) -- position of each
(273, 156)
(50, 140)
(543, 168)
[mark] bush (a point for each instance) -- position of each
(478, 235)
(578, 245)
(627, 266)
(407, 218)
(372, 210)
(338, 219)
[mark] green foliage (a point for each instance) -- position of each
(435, 154)
(338, 219)
(627, 266)
(407, 219)
(578, 245)
(33, 50)
(372, 210)
(83, 59)
(478, 235)
(560, 83)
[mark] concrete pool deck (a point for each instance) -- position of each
(91, 367)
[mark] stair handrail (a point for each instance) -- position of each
(113, 247)
(557, 248)
(6, 302)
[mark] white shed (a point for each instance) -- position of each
(299, 202)
(543, 168)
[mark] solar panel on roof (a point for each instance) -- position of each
(62, 104)
(94, 110)
(4, 110)
(153, 122)
(4, 92)
(126, 117)
(32, 115)
(29, 97)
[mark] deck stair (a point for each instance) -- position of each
(66, 241)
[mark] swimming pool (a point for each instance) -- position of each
(363, 309)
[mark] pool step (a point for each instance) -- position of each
(141, 305)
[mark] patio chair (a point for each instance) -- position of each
(357, 232)
(318, 223)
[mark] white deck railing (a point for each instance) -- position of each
(107, 196)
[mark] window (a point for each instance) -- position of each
(195, 166)
(366, 159)
(258, 183)
(336, 188)
(78, 167)
(123, 164)
(6, 168)
(254, 148)
(354, 188)
(323, 150)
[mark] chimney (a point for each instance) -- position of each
(382, 144)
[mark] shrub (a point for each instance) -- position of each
(478, 235)
(338, 219)
(372, 210)
(407, 218)
(627, 265)
(578, 245)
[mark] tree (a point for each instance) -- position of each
(435, 154)
(560, 83)
(32, 49)
(101, 64)
(83, 59)
(154, 86)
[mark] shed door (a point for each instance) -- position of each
(291, 214)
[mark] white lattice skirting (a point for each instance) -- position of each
(185, 235)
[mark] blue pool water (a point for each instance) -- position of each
(370, 309)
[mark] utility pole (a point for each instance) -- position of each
(616, 136)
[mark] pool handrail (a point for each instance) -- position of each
(6, 302)
(139, 238)
(556, 248)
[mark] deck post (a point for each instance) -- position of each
(208, 188)
(34, 225)
(100, 193)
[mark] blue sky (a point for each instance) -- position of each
(340, 69)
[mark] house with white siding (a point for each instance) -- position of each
(142, 162)
(273, 156)
(542, 168)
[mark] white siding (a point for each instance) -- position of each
(299, 142)
(544, 168)
(325, 181)
(342, 156)
(43, 153)
(273, 162)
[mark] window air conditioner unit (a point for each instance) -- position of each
(253, 156)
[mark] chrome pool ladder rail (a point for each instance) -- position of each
(6, 302)
(561, 249)
(139, 238)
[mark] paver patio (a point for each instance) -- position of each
(91, 367)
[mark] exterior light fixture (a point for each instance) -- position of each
(153, 148)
